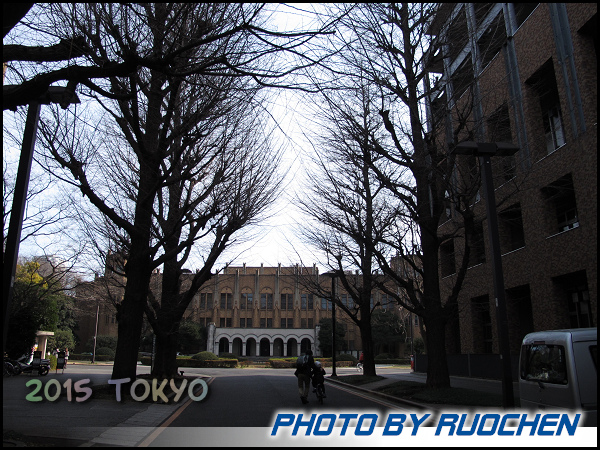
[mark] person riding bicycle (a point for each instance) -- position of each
(318, 377)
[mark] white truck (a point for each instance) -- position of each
(558, 371)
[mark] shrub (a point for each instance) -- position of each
(205, 356)
(105, 351)
(346, 357)
(228, 356)
(384, 356)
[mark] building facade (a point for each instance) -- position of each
(252, 311)
(271, 311)
(530, 73)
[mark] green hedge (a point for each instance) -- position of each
(188, 362)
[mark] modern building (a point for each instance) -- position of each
(526, 73)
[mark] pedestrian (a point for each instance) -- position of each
(66, 355)
(304, 367)
(318, 377)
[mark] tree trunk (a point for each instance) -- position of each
(130, 320)
(368, 348)
(437, 364)
(165, 360)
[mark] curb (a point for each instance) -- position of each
(386, 396)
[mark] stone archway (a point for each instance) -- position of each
(223, 345)
(278, 347)
(265, 347)
(251, 347)
(237, 347)
(292, 347)
(305, 344)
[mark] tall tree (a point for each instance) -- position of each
(348, 203)
(388, 46)
(151, 60)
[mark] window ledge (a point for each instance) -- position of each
(563, 232)
(513, 251)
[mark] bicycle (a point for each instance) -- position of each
(359, 367)
(320, 393)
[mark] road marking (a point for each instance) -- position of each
(372, 398)
(148, 440)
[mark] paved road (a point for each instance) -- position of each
(250, 398)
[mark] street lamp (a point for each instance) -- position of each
(485, 150)
(333, 274)
(55, 94)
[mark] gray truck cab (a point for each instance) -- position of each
(558, 370)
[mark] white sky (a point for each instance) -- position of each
(274, 240)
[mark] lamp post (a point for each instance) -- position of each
(55, 94)
(485, 151)
(333, 275)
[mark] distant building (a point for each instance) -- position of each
(530, 71)
(254, 311)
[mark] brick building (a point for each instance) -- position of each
(252, 311)
(270, 311)
(528, 74)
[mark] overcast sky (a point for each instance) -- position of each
(275, 239)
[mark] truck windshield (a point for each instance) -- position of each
(545, 363)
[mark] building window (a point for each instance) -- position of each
(246, 300)
(477, 245)
(287, 301)
(544, 85)
(242, 323)
(553, 129)
(523, 11)
(306, 302)
(482, 324)
(574, 289)
(386, 302)
(287, 323)
(206, 300)
(510, 228)
(560, 195)
(226, 300)
(491, 41)
(248, 323)
(266, 301)
(448, 266)
(325, 304)
(266, 323)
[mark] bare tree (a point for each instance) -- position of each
(174, 72)
(348, 204)
(388, 47)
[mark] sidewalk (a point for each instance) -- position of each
(71, 424)
(477, 384)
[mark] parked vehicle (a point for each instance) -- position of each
(11, 367)
(41, 366)
(558, 370)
